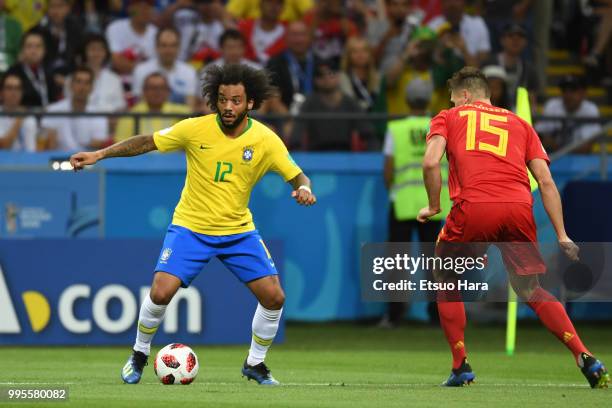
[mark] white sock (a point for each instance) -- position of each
(265, 326)
(149, 320)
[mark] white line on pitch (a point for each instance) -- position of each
(353, 385)
(397, 385)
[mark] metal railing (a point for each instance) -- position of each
(372, 118)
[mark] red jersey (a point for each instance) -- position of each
(488, 149)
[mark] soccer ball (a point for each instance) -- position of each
(176, 364)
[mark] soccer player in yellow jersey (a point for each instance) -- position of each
(227, 153)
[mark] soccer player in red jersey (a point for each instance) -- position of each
(488, 151)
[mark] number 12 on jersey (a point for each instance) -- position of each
(485, 126)
(223, 168)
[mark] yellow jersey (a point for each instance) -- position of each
(292, 9)
(221, 172)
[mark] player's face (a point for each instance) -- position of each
(233, 105)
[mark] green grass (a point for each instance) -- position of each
(333, 366)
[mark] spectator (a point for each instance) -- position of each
(181, 76)
(200, 24)
(498, 84)
(330, 135)
(414, 62)
(293, 70)
(498, 14)
(275, 106)
(265, 37)
(390, 36)
(156, 94)
(602, 47)
(16, 133)
(469, 32)
(233, 48)
(39, 89)
(404, 148)
(95, 14)
(63, 34)
(107, 94)
(292, 9)
(330, 28)
(448, 58)
(431, 9)
(74, 132)
(132, 40)
(27, 12)
(519, 72)
(572, 104)
(359, 78)
(10, 30)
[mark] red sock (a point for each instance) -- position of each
(452, 319)
(555, 318)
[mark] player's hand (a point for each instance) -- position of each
(569, 248)
(426, 213)
(82, 159)
(304, 197)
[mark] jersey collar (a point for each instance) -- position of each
(248, 126)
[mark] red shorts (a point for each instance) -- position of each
(510, 226)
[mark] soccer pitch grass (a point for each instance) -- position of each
(335, 365)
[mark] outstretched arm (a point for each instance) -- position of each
(432, 177)
(302, 190)
(552, 204)
(133, 146)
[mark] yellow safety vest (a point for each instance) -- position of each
(409, 146)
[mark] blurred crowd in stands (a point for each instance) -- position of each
(330, 57)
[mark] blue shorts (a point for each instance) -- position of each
(185, 253)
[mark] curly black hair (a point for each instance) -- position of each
(256, 83)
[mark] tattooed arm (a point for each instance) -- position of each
(133, 146)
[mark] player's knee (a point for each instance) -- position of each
(275, 300)
(524, 293)
(160, 296)
(524, 286)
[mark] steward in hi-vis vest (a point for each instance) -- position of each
(404, 148)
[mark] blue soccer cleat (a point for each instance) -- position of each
(594, 371)
(460, 376)
(259, 373)
(132, 370)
